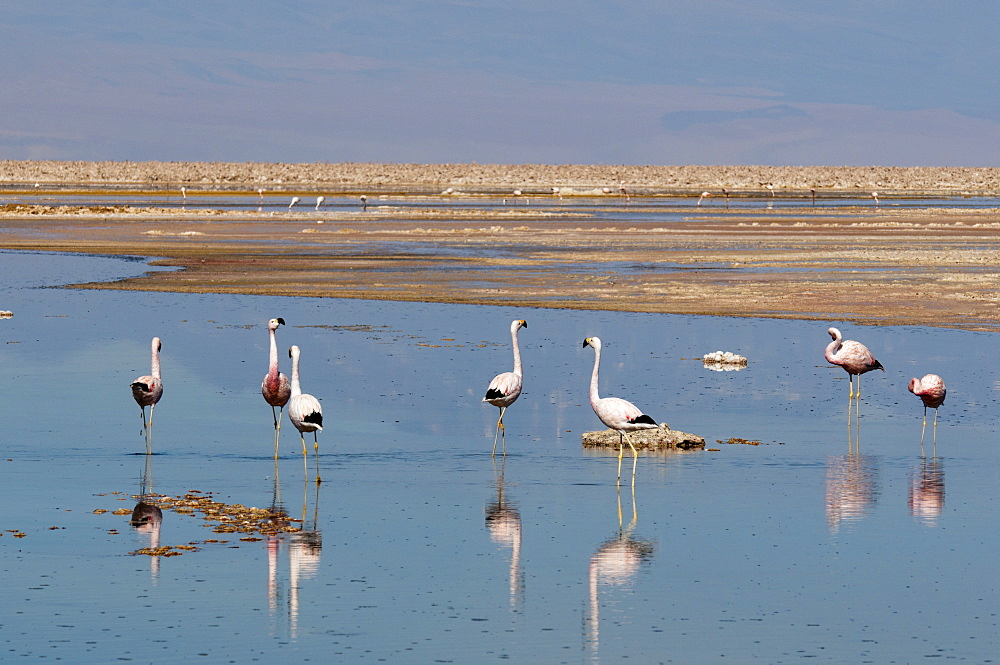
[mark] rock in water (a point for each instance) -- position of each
(646, 439)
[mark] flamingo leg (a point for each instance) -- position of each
(621, 450)
(924, 427)
(635, 457)
(500, 428)
(316, 451)
(277, 428)
(149, 431)
(935, 431)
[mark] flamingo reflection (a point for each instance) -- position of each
(926, 496)
(147, 517)
(280, 520)
(503, 520)
(851, 488)
(615, 564)
(303, 554)
(304, 549)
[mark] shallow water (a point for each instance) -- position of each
(639, 209)
(422, 548)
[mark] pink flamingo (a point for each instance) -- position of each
(147, 391)
(304, 410)
(853, 356)
(618, 414)
(275, 387)
(624, 192)
(704, 195)
(505, 388)
(931, 391)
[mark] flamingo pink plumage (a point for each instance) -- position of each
(275, 387)
(931, 391)
(853, 356)
(147, 391)
(505, 388)
(304, 410)
(616, 413)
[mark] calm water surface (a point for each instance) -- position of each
(418, 547)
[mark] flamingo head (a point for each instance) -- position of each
(594, 342)
(834, 333)
(914, 385)
(274, 323)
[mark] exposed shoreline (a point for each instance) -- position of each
(351, 176)
(933, 266)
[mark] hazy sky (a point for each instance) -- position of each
(774, 82)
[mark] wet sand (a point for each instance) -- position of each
(923, 266)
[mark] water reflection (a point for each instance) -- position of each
(615, 564)
(851, 487)
(147, 518)
(926, 496)
(280, 519)
(304, 550)
(303, 553)
(503, 520)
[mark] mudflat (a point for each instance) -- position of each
(923, 265)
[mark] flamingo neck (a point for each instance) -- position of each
(296, 388)
(272, 368)
(155, 363)
(594, 397)
(517, 352)
(831, 350)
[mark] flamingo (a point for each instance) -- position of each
(275, 387)
(812, 191)
(260, 193)
(319, 201)
(304, 410)
(875, 197)
(704, 195)
(725, 193)
(505, 388)
(616, 413)
(147, 391)
(295, 200)
(364, 203)
(184, 193)
(624, 192)
(931, 391)
(853, 356)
